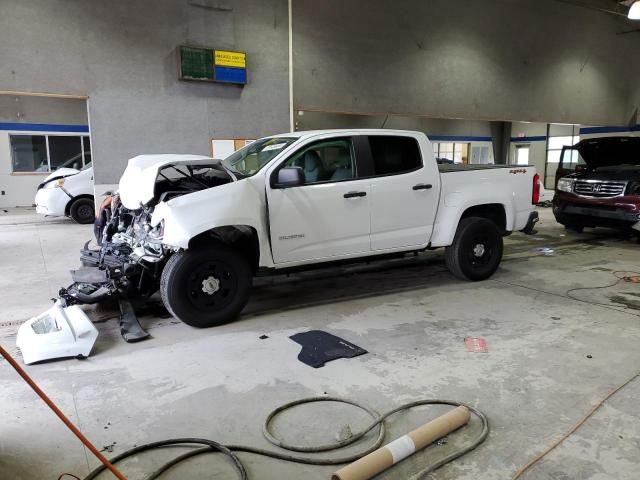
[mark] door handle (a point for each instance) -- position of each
(423, 186)
(355, 194)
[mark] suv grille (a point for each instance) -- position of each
(600, 189)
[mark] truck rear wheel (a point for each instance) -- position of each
(206, 287)
(476, 251)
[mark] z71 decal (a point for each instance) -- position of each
(291, 237)
(518, 170)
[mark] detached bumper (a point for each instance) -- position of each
(531, 223)
(57, 333)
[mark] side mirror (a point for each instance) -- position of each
(290, 177)
(581, 168)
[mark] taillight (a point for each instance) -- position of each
(535, 196)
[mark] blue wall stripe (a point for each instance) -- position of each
(592, 130)
(44, 127)
(540, 138)
(457, 138)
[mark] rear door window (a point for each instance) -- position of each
(393, 155)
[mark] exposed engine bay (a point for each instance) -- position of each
(128, 265)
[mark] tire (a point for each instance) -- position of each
(206, 287)
(83, 210)
(476, 251)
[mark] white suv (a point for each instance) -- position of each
(67, 192)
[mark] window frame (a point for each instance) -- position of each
(575, 138)
(457, 147)
(273, 178)
(46, 136)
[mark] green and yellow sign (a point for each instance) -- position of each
(225, 58)
(211, 65)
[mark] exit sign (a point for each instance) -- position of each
(212, 65)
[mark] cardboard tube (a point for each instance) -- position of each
(396, 451)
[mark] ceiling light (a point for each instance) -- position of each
(634, 11)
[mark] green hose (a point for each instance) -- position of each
(229, 450)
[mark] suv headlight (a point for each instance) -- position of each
(55, 184)
(565, 185)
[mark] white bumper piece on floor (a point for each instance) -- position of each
(59, 332)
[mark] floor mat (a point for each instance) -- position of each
(319, 347)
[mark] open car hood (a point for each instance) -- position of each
(137, 184)
(610, 151)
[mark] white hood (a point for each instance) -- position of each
(137, 183)
(61, 172)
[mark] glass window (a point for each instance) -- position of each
(522, 155)
(65, 152)
(461, 153)
(248, 160)
(553, 156)
(29, 153)
(86, 148)
(571, 158)
(394, 154)
(556, 143)
(446, 151)
(325, 161)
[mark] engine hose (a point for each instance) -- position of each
(229, 450)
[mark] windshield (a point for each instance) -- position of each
(248, 160)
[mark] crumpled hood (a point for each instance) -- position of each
(60, 173)
(610, 151)
(137, 184)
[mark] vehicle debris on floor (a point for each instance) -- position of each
(320, 347)
(57, 333)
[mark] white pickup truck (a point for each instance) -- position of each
(200, 229)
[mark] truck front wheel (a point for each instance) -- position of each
(206, 287)
(476, 251)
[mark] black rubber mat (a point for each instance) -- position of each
(320, 347)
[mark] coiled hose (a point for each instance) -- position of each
(229, 450)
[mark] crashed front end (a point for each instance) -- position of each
(131, 256)
(128, 263)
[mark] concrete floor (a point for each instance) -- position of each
(535, 383)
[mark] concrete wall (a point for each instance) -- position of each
(123, 56)
(477, 133)
(535, 60)
(18, 189)
(26, 109)
(431, 126)
(533, 135)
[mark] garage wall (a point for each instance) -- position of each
(431, 126)
(534, 60)
(21, 114)
(123, 56)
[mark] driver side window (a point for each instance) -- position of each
(325, 161)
